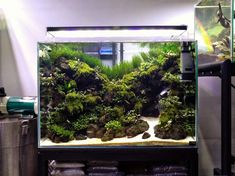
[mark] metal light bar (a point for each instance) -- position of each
(119, 33)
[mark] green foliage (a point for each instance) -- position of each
(159, 52)
(91, 100)
(147, 69)
(84, 120)
(145, 57)
(110, 97)
(80, 124)
(44, 55)
(60, 131)
(188, 120)
(113, 125)
(90, 60)
(84, 70)
(115, 112)
(117, 71)
(74, 102)
(136, 62)
(170, 102)
(73, 53)
(57, 115)
(187, 113)
(124, 96)
(73, 64)
(169, 107)
(79, 102)
(59, 51)
(163, 48)
(130, 118)
(71, 85)
(189, 88)
(138, 106)
(166, 118)
(130, 78)
(171, 78)
(46, 81)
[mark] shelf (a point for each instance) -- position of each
(187, 154)
(225, 70)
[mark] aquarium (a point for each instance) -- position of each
(117, 93)
(214, 30)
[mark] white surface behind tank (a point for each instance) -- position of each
(27, 21)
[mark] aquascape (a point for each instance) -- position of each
(139, 100)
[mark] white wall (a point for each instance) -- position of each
(27, 21)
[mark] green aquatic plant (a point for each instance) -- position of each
(136, 62)
(93, 62)
(139, 105)
(163, 48)
(117, 71)
(130, 118)
(71, 85)
(171, 78)
(187, 119)
(113, 125)
(114, 112)
(71, 53)
(80, 124)
(83, 121)
(147, 69)
(189, 88)
(57, 116)
(44, 55)
(120, 70)
(111, 100)
(60, 132)
(84, 69)
(169, 108)
(170, 102)
(159, 52)
(74, 103)
(59, 51)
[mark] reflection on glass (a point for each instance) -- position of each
(213, 30)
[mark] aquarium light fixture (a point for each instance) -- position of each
(120, 33)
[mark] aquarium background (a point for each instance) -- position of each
(213, 30)
(115, 94)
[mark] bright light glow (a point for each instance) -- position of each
(117, 35)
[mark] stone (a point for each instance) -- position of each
(146, 135)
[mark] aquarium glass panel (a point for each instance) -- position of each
(214, 30)
(117, 94)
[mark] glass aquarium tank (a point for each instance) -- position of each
(117, 93)
(214, 30)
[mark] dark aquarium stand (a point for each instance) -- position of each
(225, 70)
(186, 154)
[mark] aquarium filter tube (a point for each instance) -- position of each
(17, 105)
(187, 61)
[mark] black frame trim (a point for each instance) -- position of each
(72, 28)
(225, 70)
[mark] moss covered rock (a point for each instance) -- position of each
(59, 134)
(140, 127)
